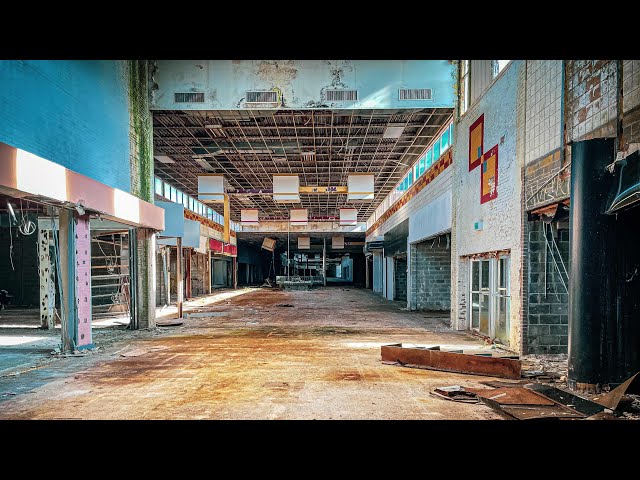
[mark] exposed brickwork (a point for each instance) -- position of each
(546, 181)
(431, 275)
(547, 296)
(591, 99)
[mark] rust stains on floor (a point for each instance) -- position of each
(319, 359)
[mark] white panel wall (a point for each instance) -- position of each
(436, 188)
(431, 219)
(377, 271)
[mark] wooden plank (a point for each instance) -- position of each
(452, 362)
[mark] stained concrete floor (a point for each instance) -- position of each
(253, 358)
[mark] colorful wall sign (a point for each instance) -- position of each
(476, 142)
(489, 175)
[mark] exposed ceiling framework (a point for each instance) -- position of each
(255, 239)
(321, 146)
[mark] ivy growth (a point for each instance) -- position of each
(140, 122)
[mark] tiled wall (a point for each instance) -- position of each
(543, 107)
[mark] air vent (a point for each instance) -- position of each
(262, 96)
(415, 94)
(342, 95)
(189, 97)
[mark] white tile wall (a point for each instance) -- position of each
(543, 116)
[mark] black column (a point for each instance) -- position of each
(592, 290)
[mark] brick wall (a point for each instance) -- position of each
(591, 99)
(431, 275)
(548, 300)
(504, 121)
(400, 279)
(23, 282)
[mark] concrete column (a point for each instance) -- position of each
(179, 276)
(234, 267)
(208, 270)
(366, 271)
(47, 282)
(324, 261)
(145, 282)
(187, 274)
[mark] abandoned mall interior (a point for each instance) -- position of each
(319, 239)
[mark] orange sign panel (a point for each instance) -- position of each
(489, 176)
(476, 142)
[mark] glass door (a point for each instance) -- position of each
(480, 296)
(503, 299)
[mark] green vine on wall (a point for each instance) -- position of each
(141, 134)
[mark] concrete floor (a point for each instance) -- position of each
(254, 359)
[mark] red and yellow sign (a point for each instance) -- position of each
(476, 142)
(489, 176)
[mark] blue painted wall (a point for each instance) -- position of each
(302, 83)
(72, 112)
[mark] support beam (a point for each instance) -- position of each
(75, 263)
(187, 274)
(208, 270)
(234, 271)
(47, 280)
(592, 295)
(67, 300)
(227, 220)
(179, 276)
(145, 281)
(366, 269)
(324, 261)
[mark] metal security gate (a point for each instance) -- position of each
(110, 277)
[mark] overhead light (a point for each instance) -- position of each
(164, 159)
(213, 126)
(204, 164)
(393, 131)
(307, 155)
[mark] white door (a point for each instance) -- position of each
(490, 297)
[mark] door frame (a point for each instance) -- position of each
(493, 292)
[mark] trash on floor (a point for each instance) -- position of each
(579, 404)
(283, 305)
(612, 399)
(455, 393)
(511, 396)
(478, 363)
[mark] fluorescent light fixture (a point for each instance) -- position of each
(204, 164)
(393, 131)
(213, 126)
(307, 155)
(164, 159)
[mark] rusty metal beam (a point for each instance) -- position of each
(435, 359)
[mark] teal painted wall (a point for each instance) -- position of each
(72, 112)
(302, 83)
